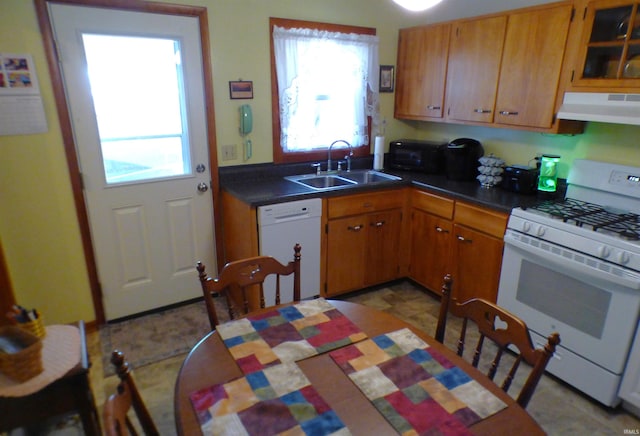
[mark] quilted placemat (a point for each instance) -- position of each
(416, 388)
(288, 334)
(277, 400)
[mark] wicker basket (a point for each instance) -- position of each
(35, 327)
(25, 363)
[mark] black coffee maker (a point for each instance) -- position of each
(461, 157)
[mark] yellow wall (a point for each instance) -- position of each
(38, 224)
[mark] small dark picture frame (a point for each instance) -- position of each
(241, 89)
(386, 78)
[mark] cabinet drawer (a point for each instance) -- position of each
(487, 221)
(440, 206)
(363, 203)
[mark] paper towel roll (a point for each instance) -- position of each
(378, 153)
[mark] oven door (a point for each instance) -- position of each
(592, 304)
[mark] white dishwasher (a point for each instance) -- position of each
(280, 227)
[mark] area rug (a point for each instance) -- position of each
(157, 336)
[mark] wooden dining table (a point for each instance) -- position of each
(210, 363)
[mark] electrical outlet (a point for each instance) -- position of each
(230, 152)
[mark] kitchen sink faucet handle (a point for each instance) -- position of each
(317, 167)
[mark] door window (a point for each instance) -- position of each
(138, 94)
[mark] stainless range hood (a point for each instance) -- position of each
(602, 107)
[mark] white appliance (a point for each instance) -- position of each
(280, 227)
(572, 265)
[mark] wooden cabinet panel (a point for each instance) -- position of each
(531, 65)
(477, 263)
(421, 72)
(430, 249)
(487, 221)
(364, 203)
(474, 64)
(346, 242)
(383, 247)
(432, 203)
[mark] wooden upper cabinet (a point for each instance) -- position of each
(421, 72)
(474, 65)
(531, 65)
(609, 52)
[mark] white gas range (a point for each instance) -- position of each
(572, 265)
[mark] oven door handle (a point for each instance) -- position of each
(630, 279)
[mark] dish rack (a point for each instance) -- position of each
(20, 353)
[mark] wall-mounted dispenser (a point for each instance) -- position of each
(246, 125)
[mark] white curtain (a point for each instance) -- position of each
(327, 86)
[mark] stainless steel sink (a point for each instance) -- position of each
(321, 182)
(341, 180)
(369, 176)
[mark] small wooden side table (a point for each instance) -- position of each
(71, 392)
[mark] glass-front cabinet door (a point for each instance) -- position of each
(610, 45)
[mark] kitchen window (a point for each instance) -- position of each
(324, 88)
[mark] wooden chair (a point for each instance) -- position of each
(117, 406)
(242, 284)
(506, 331)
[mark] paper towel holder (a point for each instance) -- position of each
(378, 153)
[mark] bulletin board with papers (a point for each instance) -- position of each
(21, 107)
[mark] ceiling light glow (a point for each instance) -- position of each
(417, 5)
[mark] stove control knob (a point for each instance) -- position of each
(623, 258)
(541, 231)
(526, 226)
(603, 251)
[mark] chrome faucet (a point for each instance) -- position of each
(347, 157)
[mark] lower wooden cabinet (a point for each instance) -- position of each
(363, 247)
(475, 266)
(457, 238)
(430, 248)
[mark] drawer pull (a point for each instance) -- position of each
(508, 113)
(355, 228)
(463, 239)
(433, 108)
(441, 230)
(378, 224)
(482, 111)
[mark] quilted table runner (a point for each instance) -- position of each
(415, 387)
(277, 400)
(288, 334)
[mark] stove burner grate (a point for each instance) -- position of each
(583, 214)
(567, 209)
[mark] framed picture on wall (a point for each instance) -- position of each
(241, 89)
(386, 78)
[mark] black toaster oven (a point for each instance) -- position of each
(417, 155)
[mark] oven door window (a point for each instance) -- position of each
(573, 302)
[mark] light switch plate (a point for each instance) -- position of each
(229, 152)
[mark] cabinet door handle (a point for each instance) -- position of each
(378, 224)
(508, 113)
(441, 230)
(433, 108)
(482, 111)
(355, 228)
(463, 239)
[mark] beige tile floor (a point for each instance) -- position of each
(559, 409)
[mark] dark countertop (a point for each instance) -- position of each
(262, 184)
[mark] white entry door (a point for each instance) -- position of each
(134, 83)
